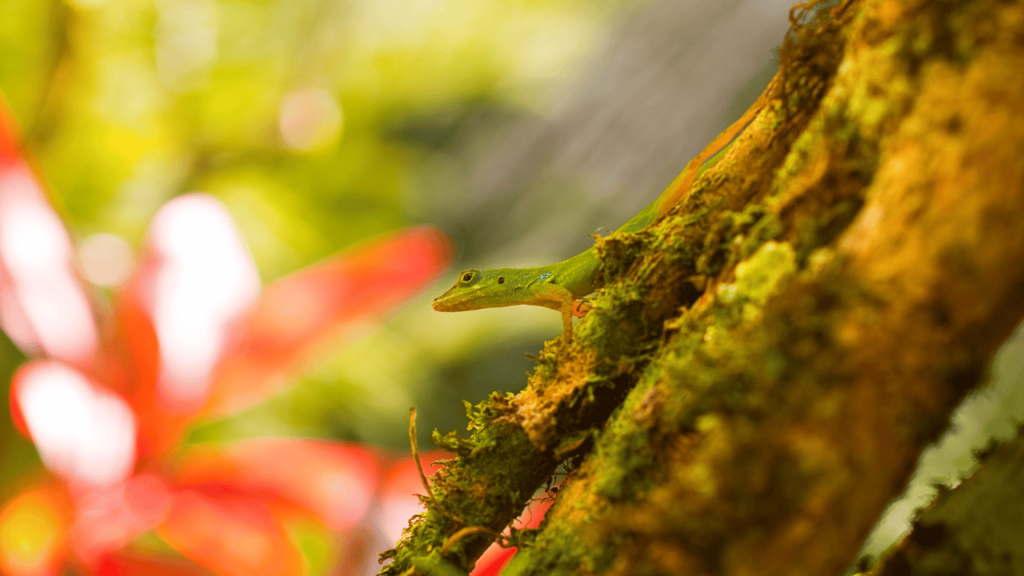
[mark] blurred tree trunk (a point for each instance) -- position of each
(760, 374)
(621, 127)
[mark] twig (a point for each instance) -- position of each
(469, 531)
(416, 458)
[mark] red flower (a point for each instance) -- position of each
(110, 390)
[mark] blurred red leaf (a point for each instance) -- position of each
(159, 429)
(230, 534)
(126, 563)
(331, 480)
(399, 488)
(495, 558)
(297, 314)
(108, 519)
(493, 561)
(8, 142)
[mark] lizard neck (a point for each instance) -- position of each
(579, 273)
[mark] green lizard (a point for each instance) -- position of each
(558, 285)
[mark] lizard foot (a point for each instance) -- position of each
(580, 308)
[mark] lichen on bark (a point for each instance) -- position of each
(766, 362)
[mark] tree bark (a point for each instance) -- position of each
(765, 364)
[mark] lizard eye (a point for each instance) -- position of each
(468, 277)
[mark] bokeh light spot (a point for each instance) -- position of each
(186, 41)
(31, 531)
(310, 118)
(105, 259)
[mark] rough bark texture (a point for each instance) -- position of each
(766, 363)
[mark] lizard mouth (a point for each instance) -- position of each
(441, 305)
(444, 303)
(454, 302)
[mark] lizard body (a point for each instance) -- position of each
(558, 285)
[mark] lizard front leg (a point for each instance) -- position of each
(563, 297)
(567, 318)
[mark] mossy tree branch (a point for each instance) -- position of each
(766, 363)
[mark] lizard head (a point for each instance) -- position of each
(473, 290)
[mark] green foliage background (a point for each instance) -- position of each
(124, 104)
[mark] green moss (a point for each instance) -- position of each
(733, 237)
(492, 478)
(629, 455)
(762, 274)
(433, 564)
(480, 417)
